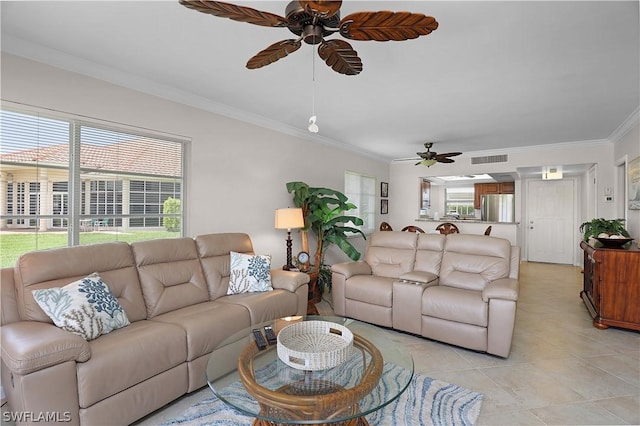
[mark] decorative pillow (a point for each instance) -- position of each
(85, 307)
(249, 273)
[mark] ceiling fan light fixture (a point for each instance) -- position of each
(428, 163)
(313, 127)
(312, 34)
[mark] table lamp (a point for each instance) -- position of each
(289, 219)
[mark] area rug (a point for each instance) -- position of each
(425, 402)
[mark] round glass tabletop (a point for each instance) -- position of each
(297, 396)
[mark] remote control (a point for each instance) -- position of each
(260, 342)
(271, 336)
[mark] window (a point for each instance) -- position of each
(150, 197)
(459, 201)
(95, 182)
(361, 191)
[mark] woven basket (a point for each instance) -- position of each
(314, 345)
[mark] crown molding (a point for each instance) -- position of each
(628, 124)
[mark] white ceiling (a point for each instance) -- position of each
(493, 75)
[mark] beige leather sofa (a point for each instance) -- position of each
(174, 294)
(458, 288)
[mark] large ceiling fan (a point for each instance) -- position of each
(430, 158)
(312, 21)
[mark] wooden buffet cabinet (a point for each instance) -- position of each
(612, 286)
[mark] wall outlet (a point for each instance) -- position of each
(608, 199)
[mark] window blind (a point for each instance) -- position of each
(86, 182)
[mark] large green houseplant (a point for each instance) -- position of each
(324, 211)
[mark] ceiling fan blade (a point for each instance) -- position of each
(340, 56)
(445, 160)
(386, 25)
(237, 13)
(273, 53)
(322, 8)
(449, 154)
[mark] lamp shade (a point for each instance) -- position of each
(289, 219)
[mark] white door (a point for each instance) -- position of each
(550, 221)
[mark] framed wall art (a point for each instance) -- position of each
(384, 189)
(384, 206)
(634, 184)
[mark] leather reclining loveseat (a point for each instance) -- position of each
(174, 293)
(459, 289)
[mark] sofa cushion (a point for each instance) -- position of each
(267, 305)
(59, 267)
(391, 253)
(471, 261)
(214, 251)
(170, 274)
(85, 307)
(429, 253)
(371, 289)
(249, 273)
(206, 324)
(454, 304)
(127, 357)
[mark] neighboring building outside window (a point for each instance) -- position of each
(123, 178)
(459, 201)
(361, 191)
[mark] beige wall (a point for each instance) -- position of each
(627, 148)
(237, 171)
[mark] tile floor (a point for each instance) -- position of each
(561, 371)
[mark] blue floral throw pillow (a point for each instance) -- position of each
(249, 273)
(85, 307)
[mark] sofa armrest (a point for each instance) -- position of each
(349, 269)
(419, 277)
(288, 280)
(503, 288)
(29, 346)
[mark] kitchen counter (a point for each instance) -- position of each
(451, 220)
(508, 231)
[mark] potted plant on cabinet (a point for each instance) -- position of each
(603, 228)
(324, 211)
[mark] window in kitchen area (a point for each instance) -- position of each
(459, 201)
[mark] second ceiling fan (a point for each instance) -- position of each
(430, 158)
(312, 21)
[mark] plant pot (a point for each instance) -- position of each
(315, 295)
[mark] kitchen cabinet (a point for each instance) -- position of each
(507, 187)
(425, 194)
(611, 287)
(481, 189)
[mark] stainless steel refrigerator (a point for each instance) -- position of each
(497, 208)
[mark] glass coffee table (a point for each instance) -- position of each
(258, 384)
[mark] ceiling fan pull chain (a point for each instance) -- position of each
(313, 127)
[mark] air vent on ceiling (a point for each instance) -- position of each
(490, 159)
